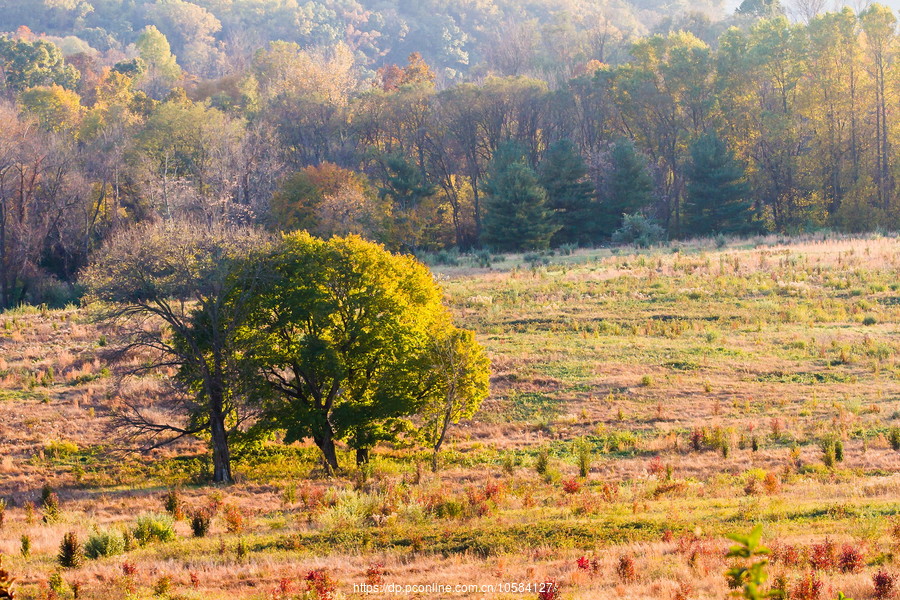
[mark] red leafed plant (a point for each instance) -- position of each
(571, 486)
(375, 574)
(884, 584)
(321, 584)
(549, 591)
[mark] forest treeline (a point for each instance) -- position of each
(771, 126)
(460, 38)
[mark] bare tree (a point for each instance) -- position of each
(513, 48)
(195, 280)
(39, 196)
(806, 10)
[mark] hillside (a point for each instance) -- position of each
(461, 38)
(704, 389)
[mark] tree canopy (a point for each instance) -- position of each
(346, 335)
(335, 340)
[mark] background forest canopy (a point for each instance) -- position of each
(501, 125)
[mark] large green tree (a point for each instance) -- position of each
(516, 213)
(25, 64)
(344, 334)
(163, 71)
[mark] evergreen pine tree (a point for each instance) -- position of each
(628, 189)
(717, 190)
(570, 194)
(403, 182)
(516, 216)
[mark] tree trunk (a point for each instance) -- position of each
(325, 442)
(445, 425)
(221, 454)
(362, 456)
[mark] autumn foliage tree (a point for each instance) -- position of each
(329, 200)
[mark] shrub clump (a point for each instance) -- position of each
(50, 505)
(809, 587)
(824, 556)
(851, 559)
(6, 582)
(154, 528)
(200, 522)
(173, 505)
(639, 230)
(104, 543)
(320, 583)
(234, 518)
(894, 438)
(542, 463)
(625, 569)
(884, 583)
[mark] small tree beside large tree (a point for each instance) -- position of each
(180, 292)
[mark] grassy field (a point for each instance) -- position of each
(644, 403)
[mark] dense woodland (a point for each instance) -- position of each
(426, 126)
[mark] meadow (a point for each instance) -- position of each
(645, 402)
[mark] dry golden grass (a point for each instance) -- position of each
(785, 341)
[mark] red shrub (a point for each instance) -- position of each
(809, 587)
(589, 564)
(549, 590)
(656, 467)
(823, 557)
(283, 591)
(375, 574)
(492, 491)
(785, 554)
(311, 497)
(608, 491)
(884, 584)
(234, 518)
(321, 584)
(776, 427)
(852, 559)
(696, 438)
(571, 486)
(694, 547)
(771, 483)
(625, 569)
(684, 591)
